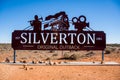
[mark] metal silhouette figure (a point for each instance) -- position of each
(59, 21)
(37, 24)
(80, 23)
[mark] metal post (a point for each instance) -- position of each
(62, 53)
(14, 57)
(102, 56)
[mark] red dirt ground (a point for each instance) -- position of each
(20, 72)
(14, 72)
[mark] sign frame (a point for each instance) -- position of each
(100, 40)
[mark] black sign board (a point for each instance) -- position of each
(58, 40)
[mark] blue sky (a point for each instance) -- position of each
(103, 15)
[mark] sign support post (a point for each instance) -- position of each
(102, 57)
(14, 57)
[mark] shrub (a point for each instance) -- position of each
(89, 54)
(107, 52)
(55, 55)
(35, 51)
(51, 51)
(24, 58)
(48, 58)
(66, 56)
(71, 57)
(74, 57)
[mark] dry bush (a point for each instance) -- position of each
(74, 57)
(51, 51)
(113, 49)
(48, 58)
(107, 51)
(119, 49)
(89, 54)
(35, 52)
(71, 57)
(114, 45)
(66, 56)
(55, 54)
(51, 58)
(24, 58)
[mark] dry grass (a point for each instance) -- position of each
(37, 55)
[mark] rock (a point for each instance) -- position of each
(61, 62)
(7, 60)
(51, 63)
(55, 63)
(21, 61)
(47, 63)
(25, 67)
(24, 61)
(40, 62)
(33, 62)
(93, 61)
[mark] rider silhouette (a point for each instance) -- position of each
(36, 24)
